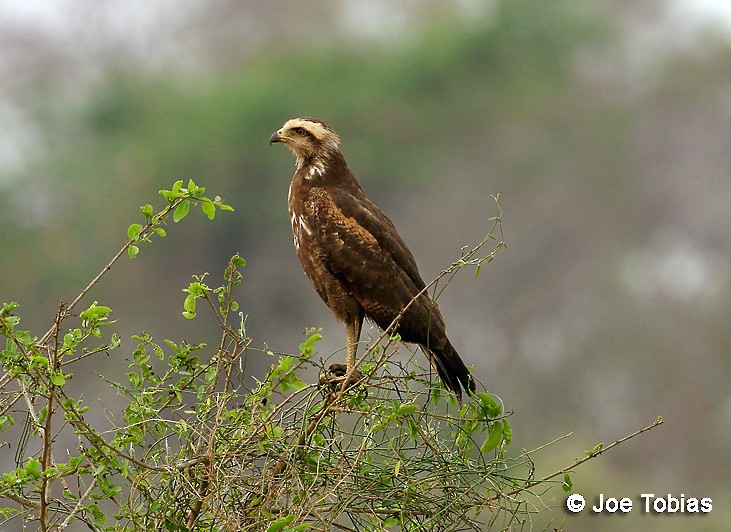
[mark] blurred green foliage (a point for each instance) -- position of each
(434, 96)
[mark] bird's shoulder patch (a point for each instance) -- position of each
(325, 214)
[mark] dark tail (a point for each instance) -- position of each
(451, 369)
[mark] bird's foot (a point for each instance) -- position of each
(336, 374)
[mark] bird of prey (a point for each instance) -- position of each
(353, 255)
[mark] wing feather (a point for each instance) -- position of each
(360, 246)
(374, 221)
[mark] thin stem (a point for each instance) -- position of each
(576, 464)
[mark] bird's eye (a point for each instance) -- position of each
(299, 130)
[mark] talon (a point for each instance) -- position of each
(337, 372)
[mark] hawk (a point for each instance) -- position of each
(353, 255)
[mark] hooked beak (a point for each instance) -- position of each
(276, 137)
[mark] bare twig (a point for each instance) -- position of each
(590, 456)
(69, 518)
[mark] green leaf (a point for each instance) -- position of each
(436, 394)
(160, 231)
(39, 361)
(306, 347)
(567, 485)
(291, 383)
(197, 289)
(188, 315)
(209, 209)
(405, 410)
(133, 231)
(279, 524)
(413, 429)
(597, 448)
(33, 467)
(147, 211)
(58, 379)
(181, 211)
(211, 373)
(132, 251)
(494, 436)
(492, 407)
(6, 421)
(172, 345)
(284, 364)
(9, 307)
(189, 303)
(95, 312)
(507, 431)
(172, 195)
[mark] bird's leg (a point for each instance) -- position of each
(352, 333)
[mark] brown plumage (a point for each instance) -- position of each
(353, 255)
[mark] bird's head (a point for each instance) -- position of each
(308, 138)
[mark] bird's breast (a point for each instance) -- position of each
(300, 229)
